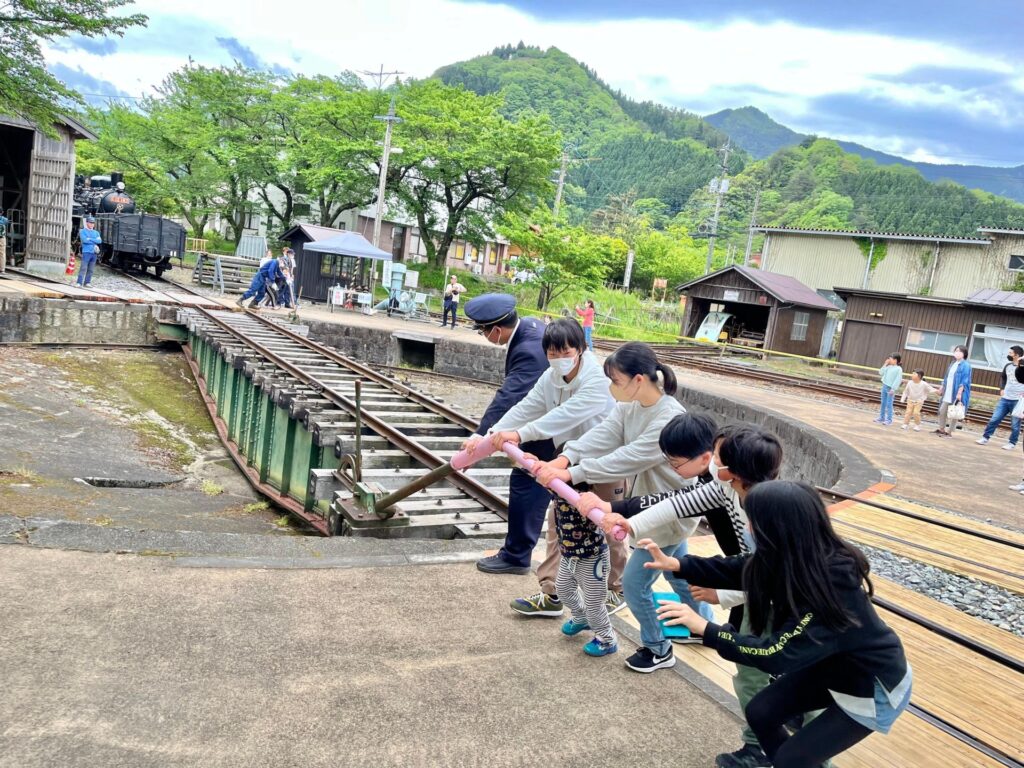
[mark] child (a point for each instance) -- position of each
(687, 443)
(892, 376)
(584, 568)
(588, 323)
(914, 394)
(809, 591)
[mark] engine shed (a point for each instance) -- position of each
(37, 180)
(762, 310)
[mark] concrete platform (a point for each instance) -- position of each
(118, 660)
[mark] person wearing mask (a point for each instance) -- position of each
(91, 242)
(1010, 393)
(955, 390)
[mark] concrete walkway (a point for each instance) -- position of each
(113, 660)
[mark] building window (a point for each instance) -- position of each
(991, 343)
(932, 341)
(492, 254)
(800, 322)
(251, 220)
(1016, 263)
(327, 265)
(460, 251)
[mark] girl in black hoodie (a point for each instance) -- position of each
(810, 590)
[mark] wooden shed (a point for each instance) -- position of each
(774, 311)
(37, 181)
(924, 330)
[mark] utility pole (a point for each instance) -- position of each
(390, 119)
(561, 181)
(719, 186)
(750, 229)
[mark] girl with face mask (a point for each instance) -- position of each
(955, 390)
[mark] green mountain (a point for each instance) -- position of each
(761, 136)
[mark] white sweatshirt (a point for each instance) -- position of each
(558, 410)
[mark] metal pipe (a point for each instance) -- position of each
(433, 476)
(867, 267)
(359, 430)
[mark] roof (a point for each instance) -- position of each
(1005, 231)
(845, 292)
(990, 297)
(312, 232)
(784, 288)
(874, 235)
(347, 244)
(78, 131)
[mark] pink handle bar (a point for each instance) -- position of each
(485, 448)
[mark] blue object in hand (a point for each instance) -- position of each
(673, 631)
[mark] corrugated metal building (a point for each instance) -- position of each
(925, 329)
(780, 311)
(921, 265)
(37, 182)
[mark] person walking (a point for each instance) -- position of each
(91, 242)
(892, 376)
(587, 313)
(914, 394)
(495, 318)
(955, 392)
(267, 275)
(1010, 393)
(452, 292)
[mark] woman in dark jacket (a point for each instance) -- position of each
(808, 594)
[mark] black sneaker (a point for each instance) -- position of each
(645, 660)
(496, 564)
(748, 757)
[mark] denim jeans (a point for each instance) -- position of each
(1003, 409)
(637, 583)
(588, 334)
(885, 412)
(85, 271)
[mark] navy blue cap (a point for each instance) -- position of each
(490, 308)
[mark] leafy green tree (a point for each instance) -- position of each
(464, 165)
(27, 89)
(561, 256)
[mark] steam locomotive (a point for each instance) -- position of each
(131, 241)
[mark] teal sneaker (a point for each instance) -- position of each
(596, 648)
(540, 604)
(573, 627)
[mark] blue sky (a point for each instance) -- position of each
(938, 81)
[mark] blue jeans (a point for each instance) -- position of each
(85, 271)
(588, 334)
(888, 395)
(637, 583)
(1003, 408)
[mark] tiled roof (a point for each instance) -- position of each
(990, 297)
(786, 289)
(876, 235)
(313, 232)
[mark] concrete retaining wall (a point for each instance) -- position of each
(24, 319)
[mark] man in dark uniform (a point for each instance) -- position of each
(494, 315)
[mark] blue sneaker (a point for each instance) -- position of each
(573, 627)
(596, 648)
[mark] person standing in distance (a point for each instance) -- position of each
(91, 242)
(452, 291)
(494, 316)
(1009, 394)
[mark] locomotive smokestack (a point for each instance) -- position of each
(115, 177)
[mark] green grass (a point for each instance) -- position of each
(211, 488)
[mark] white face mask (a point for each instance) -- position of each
(563, 366)
(713, 468)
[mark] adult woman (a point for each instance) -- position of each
(955, 389)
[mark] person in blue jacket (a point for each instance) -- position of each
(956, 388)
(91, 242)
(495, 317)
(268, 274)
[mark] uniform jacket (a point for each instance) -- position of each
(524, 364)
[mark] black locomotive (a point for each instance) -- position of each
(130, 240)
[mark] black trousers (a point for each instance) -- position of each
(528, 503)
(795, 693)
(453, 307)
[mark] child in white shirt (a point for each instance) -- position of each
(915, 393)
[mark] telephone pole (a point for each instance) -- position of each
(719, 186)
(561, 181)
(750, 229)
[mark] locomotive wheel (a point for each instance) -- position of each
(159, 269)
(333, 523)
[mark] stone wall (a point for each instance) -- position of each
(810, 454)
(25, 319)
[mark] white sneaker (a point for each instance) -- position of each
(917, 427)
(1009, 447)
(904, 426)
(1018, 487)
(981, 440)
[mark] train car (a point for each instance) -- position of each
(130, 240)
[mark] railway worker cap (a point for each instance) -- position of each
(490, 309)
(90, 220)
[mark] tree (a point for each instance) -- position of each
(559, 255)
(464, 165)
(27, 90)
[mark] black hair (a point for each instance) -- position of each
(963, 349)
(687, 436)
(750, 453)
(919, 372)
(564, 333)
(1018, 350)
(636, 357)
(790, 570)
(898, 358)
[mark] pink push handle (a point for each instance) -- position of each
(485, 448)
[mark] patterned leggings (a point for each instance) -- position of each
(589, 575)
